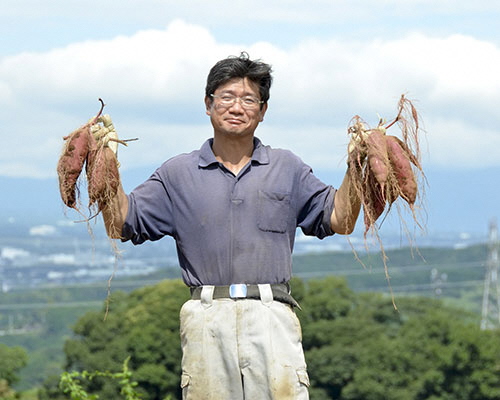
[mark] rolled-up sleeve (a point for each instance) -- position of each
(150, 214)
(315, 202)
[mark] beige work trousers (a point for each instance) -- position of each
(243, 349)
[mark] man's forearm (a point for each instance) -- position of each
(346, 207)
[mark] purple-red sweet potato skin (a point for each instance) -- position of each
(102, 174)
(374, 202)
(71, 163)
(377, 155)
(401, 166)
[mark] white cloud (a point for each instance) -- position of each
(372, 75)
(153, 65)
(11, 253)
(58, 259)
(455, 143)
(153, 83)
(42, 230)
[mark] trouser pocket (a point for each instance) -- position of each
(185, 380)
(303, 377)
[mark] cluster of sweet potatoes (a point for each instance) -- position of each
(385, 167)
(82, 148)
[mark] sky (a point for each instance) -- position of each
(148, 60)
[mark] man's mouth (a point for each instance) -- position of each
(234, 121)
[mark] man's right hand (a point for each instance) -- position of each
(106, 133)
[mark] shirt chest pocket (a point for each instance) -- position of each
(274, 211)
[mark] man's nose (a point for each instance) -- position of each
(237, 105)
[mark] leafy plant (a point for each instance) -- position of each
(70, 383)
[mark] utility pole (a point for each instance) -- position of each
(3, 285)
(437, 281)
(491, 295)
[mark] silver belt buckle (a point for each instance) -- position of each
(238, 291)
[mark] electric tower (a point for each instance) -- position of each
(490, 318)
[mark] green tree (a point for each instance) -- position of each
(144, 326)
(364, 349)
(13, 360)
(459, 360)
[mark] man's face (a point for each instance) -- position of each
(237, 119)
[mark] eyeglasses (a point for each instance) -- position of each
(228, 100)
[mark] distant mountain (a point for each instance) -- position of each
(456, 201)
(37, 201)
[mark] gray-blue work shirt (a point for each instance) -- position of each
(231, 229)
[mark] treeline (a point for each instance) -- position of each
(357, 345)
(410, 269)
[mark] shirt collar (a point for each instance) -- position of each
(260, 153)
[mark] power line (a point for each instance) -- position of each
(430, 286)
(410, 268)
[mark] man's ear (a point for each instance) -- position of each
(208, 105)
(263, 112)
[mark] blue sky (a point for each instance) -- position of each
(332, 60)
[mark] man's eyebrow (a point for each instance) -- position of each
(246, 93)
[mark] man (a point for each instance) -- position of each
(233, 208)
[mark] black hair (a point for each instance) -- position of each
(240, 67)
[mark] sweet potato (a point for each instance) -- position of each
(374, 201)
(71, 163)
(377, 156)
(412, 157)
(401, 167)
(102, 174)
